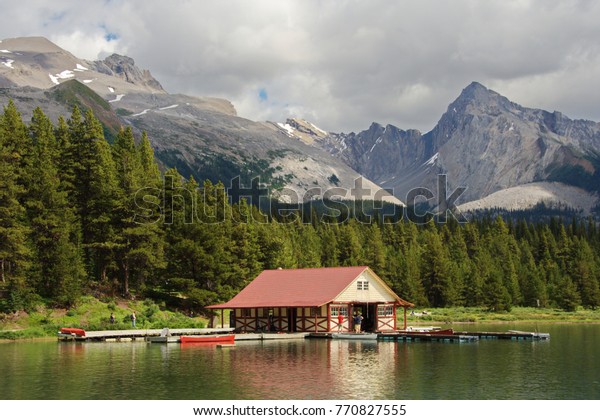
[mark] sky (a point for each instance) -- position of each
(340, 64)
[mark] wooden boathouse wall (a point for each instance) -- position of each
(310, 319)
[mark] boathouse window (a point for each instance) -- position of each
(246, 312)
(362, 285)
(339, 310)
(385, 310)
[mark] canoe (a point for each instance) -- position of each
(209, 338)
(73, 331)
(354, 336)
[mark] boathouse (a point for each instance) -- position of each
(311, 299)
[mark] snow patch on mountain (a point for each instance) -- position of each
(287, 128)
(118, 98)
(527, 196)
(145, 111)
(432, 160)
(375, 144)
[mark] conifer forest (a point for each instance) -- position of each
(81, 215)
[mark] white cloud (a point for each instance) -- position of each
(342, 64)
(92, 46)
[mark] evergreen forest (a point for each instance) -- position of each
(80, 215)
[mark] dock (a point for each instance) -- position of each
(509, 335)
(155, 335)
(449, 336)
(168, 335)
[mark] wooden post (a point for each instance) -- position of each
(404, 317)
(222, 318)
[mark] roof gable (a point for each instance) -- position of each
(377, 290)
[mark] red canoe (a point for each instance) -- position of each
(73, 331)
(216, 339)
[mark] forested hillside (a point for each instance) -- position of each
(79, 216)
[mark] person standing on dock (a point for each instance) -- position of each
(112, 318)
(357, 321)
(133, 318)
(340, 322)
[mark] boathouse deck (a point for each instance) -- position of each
(140, 334)
(172, 335)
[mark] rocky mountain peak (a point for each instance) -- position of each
(478, 99)
(124, 67)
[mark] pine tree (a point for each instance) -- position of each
(349, 245)
(139, 242)
(95, 192)
(57, 269)
(435, 270)
(14, 251)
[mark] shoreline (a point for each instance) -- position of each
(93, 315)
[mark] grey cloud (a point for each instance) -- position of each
(343, 64)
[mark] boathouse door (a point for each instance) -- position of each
(369, 313)
(291, 314)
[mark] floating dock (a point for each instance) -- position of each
(165, 336)
(413, 336)
(509, 335)
(449, 336)
(155, 335)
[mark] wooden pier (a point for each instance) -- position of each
(408, 336)
(168, 335)
(509, 335)
(164, 334)
(450, 336)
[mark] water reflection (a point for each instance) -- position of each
(311, 369)
(564, 367)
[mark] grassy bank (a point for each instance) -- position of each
(93, 315)
(517, 314)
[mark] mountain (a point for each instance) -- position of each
(489, 145)
(200, 136)
(504, 154)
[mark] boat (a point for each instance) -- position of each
(78, 332)
(354, 336)
(208, 338)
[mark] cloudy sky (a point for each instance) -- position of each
(340, 64)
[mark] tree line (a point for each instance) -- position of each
(80, 215)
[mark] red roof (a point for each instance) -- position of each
(295, 287)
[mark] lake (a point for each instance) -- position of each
(565, 367)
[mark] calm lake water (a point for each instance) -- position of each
(565, 367)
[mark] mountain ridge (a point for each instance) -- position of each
(483, 141)
(199, 136)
